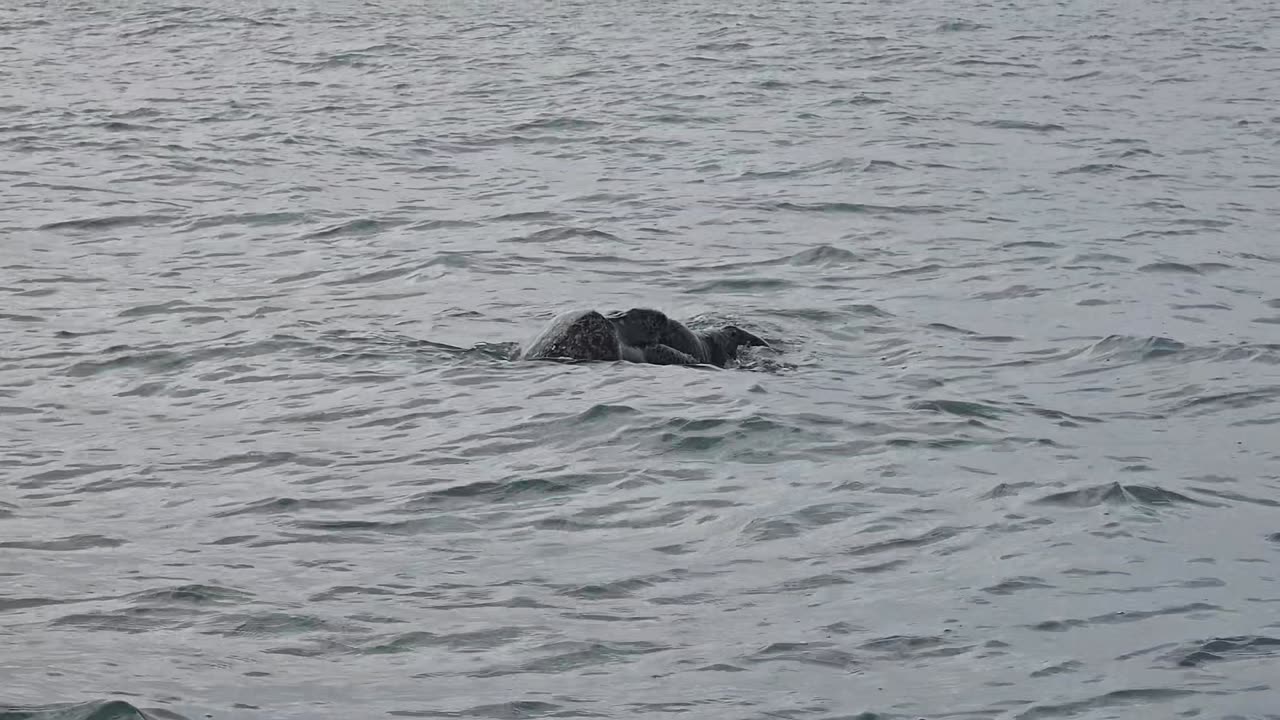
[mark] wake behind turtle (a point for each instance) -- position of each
(637, 335)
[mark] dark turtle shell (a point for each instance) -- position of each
(646, 326)
(575, 335)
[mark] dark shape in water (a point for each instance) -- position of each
(636, 335)
(644, 326)
(95, 710)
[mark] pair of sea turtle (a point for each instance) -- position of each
(636, 335)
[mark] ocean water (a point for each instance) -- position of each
(265, 266)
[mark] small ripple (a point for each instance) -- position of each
(812, 582)
(110, 222)
(1118, 349)
(134, 620)
(529, 217)
(961, 26)
(858, 208)
(1115, 699)
(556, 123)
(299, 277)
(67, 544)
(275, 505)
(1181, 268)
(805, 653)
(961, 408)
(192, 595)
(740, 285)
(937, 535)
(255, 461)
(800, 521)
(514, 710)
(571, 655)
(354, 227)
(436, 524)
(1039, 244)
(557, 234)
(166, 308)
(48, 478)
(1017, 585)
(994, 63)
(93, 710)
(859, 99)
(247, 219)
(463, 642)
(1219, 402)
(273, 624)
(625, 588)
(1227, 649)
(1021, 125)
(489, 492)
(823, 255)
(1094, 169)
(1122, 617)
(1239, 497)
(1120, 494)
(376, 276)
(121, 483)
(899, 648)
(149, 362)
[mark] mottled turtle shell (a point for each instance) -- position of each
(575, 335)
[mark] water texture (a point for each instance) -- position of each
(264, 267)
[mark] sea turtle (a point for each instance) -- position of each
(637, 335)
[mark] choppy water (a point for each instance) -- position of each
(1015, 456)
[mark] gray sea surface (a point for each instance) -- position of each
(266, 450)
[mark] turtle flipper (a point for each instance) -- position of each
(664, 355)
